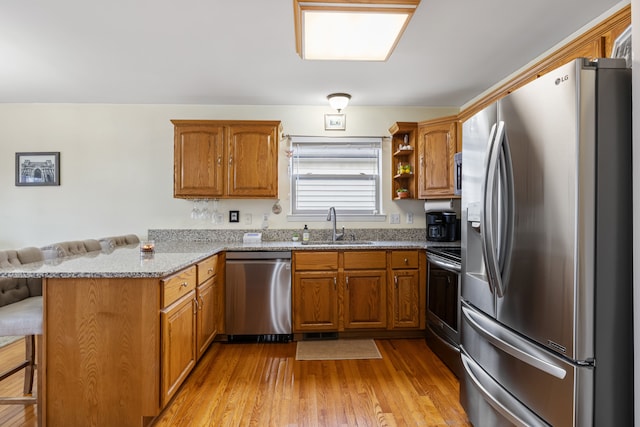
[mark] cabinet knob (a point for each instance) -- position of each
(210, 270)
(184, 284)
(395, 280)
(406, 261)
(230, 159)
(219, 160)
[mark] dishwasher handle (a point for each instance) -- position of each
(259, 255)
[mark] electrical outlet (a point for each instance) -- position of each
(409, 217)
(247, 219)
(394, 219)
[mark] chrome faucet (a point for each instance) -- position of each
(332, 216)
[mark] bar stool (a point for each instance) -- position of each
(21, 315)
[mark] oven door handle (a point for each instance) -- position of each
(442, 263)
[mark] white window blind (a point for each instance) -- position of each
(340, 172)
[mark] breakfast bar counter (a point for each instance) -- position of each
(170, 257)
(121, 329)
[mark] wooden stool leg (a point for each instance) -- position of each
(30, 344)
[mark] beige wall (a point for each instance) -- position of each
(117, 167)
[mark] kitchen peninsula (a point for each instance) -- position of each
(108, 353)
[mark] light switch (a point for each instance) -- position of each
(409, 217)
(247, 218)
(394, 219)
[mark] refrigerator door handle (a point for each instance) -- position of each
(498, 225)
(511, 344)
(503, 402)
(485, 226)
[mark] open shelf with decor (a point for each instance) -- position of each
(403, 162)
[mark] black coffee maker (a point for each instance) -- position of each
(442, 226)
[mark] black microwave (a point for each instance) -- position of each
(457, 174)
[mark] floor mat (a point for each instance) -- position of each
(337, 349)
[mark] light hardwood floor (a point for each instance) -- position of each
(263, 385)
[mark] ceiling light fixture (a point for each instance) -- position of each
(339, 101)
(357, 30)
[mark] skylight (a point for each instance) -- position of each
(365, 30)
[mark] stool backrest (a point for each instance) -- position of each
(16, 289)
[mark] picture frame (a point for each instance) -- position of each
(37, 168)
(234, 216)
(334, 122)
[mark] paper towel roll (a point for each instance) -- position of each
(438, 205)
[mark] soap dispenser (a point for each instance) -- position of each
(305, 234)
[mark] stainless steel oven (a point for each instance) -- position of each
(443, 304)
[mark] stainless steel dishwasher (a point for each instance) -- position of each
(258, 296)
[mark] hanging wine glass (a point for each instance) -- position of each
(195, 211)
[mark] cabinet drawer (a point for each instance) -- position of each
(365, 260)
(316, 260)
(404, 259)
(173, 287)
(207, 268)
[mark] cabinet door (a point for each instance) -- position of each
(406, 299)
(198, 161)
(365, 299)
(207, 318)
(315, 301)
(436, 149)
(253, 161)
(178, 322)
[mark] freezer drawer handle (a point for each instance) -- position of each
(512, 348)
(499, 399)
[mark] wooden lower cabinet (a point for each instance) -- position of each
(115, 350)
(337, 291)
(178, 324)
(315, 301)
(365, 290)
(206, 318)
(315, 291)
(100, 356)
(406, 296)
(208, 303)
(408, 279)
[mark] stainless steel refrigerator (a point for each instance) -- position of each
(546, 252)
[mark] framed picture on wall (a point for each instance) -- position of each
(334, 122)
(38, 168)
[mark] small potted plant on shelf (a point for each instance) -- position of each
(402, 193)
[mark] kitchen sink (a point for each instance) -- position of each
(340, 242)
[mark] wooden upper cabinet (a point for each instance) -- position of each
(253, 160)
(437, 145)
(198, 161)
(225, 159)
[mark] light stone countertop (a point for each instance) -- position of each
(170, 257)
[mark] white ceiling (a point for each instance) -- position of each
(242, 52)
